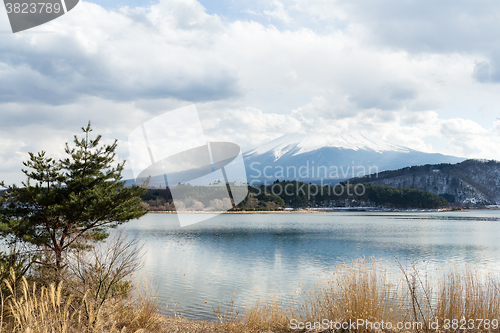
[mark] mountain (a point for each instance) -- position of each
(331, 159)
(469, 182)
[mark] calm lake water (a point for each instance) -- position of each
(247, 256)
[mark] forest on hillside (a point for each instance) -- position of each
(292, 194)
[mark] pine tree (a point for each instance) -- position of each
(69, 202)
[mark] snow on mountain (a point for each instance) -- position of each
(331, 158)
(301, 143)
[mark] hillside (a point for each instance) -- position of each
(468, 182)
(295, 194)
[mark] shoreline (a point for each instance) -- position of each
(320, 210)
(238, 212)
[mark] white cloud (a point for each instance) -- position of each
(278, 12)
(253, 82)
(416, 26)
(471, 139)
(158, 53)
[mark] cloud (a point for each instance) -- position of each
(472, 139)
(175, 50)
(278, 12)
(387, 97)
(483, 71)
(126, 55)
(313, 67)
(415, 26)
(488, 71)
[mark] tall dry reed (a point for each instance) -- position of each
(52, 310)
(369, 290)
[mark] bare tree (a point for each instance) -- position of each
(100, 275)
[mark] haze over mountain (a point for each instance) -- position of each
(331, 158)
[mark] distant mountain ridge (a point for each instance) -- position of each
(326, 159)
(331, 158)
(469, 182)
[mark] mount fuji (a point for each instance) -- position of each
(331, 159)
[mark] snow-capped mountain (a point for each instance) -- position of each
(331, 158)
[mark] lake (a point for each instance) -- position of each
(247, 256)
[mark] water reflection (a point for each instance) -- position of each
(251, 255)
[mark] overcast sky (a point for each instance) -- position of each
(423, 74)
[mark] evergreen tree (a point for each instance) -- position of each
(69, 202)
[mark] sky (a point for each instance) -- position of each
(422, 74)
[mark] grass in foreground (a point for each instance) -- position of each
(366, 290)
(362, 290)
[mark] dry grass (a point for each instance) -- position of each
(144, 309)
(465, 294)
(362, 290)
(365, 290)
(43, 311)
(29, 309)
(359, 290)
(52, 310)
(267, 314)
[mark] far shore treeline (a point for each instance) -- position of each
(294, 194)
